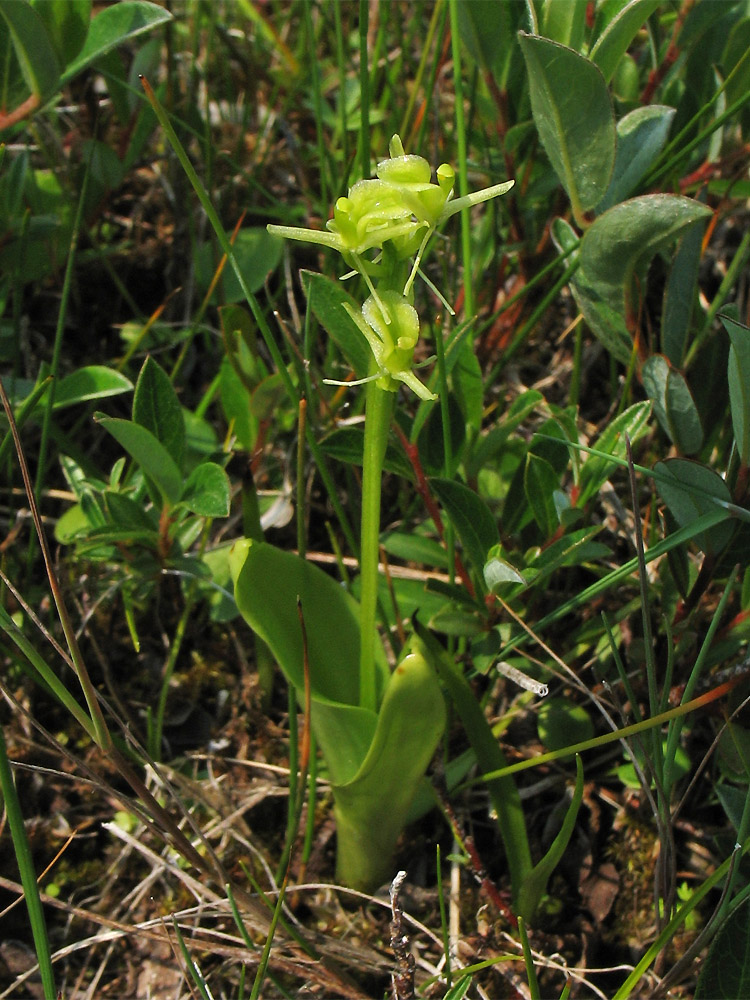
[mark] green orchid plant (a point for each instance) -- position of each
(377, 729)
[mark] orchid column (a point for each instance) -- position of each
(382, 228)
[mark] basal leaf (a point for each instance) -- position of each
(371, 809)
(573, 114)
(267, 582)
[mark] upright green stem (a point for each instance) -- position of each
(463, 184)
(379, 405)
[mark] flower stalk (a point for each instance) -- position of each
(382, 229)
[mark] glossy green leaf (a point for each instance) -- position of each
(33, 48)
(267, 583)
(687, 488)
(615, 251)
(327, 299)
(206, 491)
(614, 40)
(375, 761)
(725, 973)
(157, 408)
(680, 294)
(67, 22)
(540, 482)
(739, 384)
(673, 402)
(641, 136)
(573, 114)
(470, 516)
(111, 27)
(372, 808)
(149, 453)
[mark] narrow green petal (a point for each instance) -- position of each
(308, 236)
(475, 198)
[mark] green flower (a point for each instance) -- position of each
(395, 213)
(402, 207)
(391, 326)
